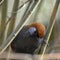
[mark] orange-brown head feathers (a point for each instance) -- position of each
(40, 29)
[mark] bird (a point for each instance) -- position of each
(29, 38)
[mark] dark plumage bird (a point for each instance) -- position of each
(29, 38)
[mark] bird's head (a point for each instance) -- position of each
(40, 28)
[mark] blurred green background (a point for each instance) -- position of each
(10, 17)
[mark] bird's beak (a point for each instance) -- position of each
(41, 40)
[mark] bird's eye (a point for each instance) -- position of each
(33, 31)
